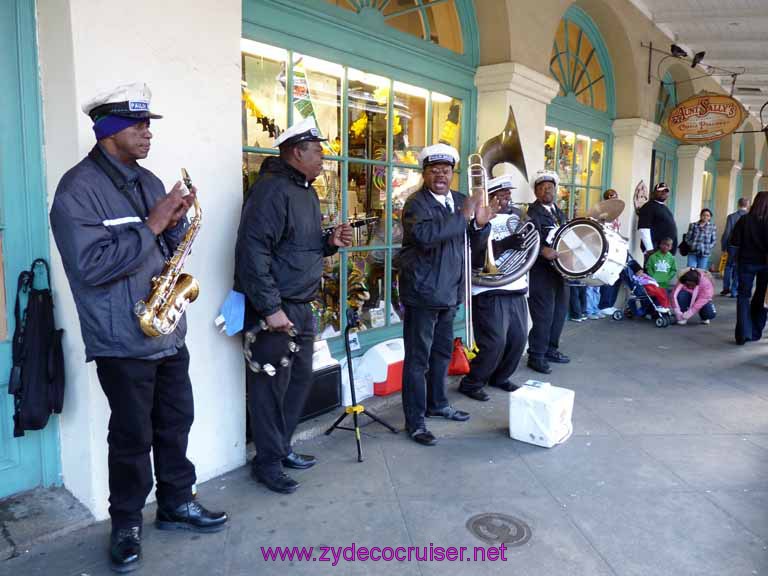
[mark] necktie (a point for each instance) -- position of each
(449, 203)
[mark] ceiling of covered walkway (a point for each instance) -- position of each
(731, 32)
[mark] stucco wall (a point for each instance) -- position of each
(190, 57)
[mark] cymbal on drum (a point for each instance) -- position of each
(607, 210)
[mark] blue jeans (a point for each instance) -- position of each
(577, 303)
(593, 299)
(608, 295)
(706, 312)
(731, 273)
(698, 261)
(751, 314)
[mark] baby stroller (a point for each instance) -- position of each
(640, 304)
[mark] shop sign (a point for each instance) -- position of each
(705, 118)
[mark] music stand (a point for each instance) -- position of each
(353, 320)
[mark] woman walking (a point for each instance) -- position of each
(750, 237)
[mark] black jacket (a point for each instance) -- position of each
(280, 242)
(110, 256)
(545, 222)
(658, 218)
(431, 262)
(750, 236)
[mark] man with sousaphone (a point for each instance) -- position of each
(499, 312)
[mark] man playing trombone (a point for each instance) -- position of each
(431, 264)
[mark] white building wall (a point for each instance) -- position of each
(189, 54)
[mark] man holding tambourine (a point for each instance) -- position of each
(548, 295)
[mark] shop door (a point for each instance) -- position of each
(29, 461)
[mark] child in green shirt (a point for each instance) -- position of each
(661, 265)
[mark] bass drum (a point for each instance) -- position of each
(590, 252)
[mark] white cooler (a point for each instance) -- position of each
(540, 414)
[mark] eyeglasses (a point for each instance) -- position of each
(437, 171)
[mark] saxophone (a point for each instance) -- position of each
(173, 290)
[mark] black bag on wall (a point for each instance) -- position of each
(37, 375)
(684, 248)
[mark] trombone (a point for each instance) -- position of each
(478, 187)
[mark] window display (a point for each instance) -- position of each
(376, 127)
(578, 160)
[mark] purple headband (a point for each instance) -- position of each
(108, 125)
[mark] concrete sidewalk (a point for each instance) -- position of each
(666, 475)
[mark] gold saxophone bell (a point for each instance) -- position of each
(172, 291)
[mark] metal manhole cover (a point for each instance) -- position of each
(498, 529)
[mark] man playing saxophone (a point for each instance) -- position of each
(115, 226)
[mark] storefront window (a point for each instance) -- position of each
(263, 93)
(436, 21)
(376, 127)
(578, 161)
(663, 170)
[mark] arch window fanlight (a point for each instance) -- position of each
(435, 21)
(578, 137)
(576, 65)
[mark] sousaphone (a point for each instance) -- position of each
(501, 269)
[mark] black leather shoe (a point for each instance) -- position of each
(190, 516)
(424, 437)
(724, 292)
(478, 394)
(539, 365)
(125, 549)
(299, 461)
(557, 357)
(449, 413)
(506, 386)
(279, 482)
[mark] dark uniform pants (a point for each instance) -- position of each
(275, 402)
(548, 303)
(500, 323)
(428, 339)
(152, 408)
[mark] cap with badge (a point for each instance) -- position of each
(118, 108)
(503, 182)
(545, 176)
(438, 154)
(660, 186)
(304, 131)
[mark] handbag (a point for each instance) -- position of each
(459, 362)
(684, 247)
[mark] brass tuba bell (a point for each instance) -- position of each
(500, 269)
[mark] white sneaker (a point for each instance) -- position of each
(663, 310)
(705, 321)
(682, 322)
(608, 311)
(595, 317)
